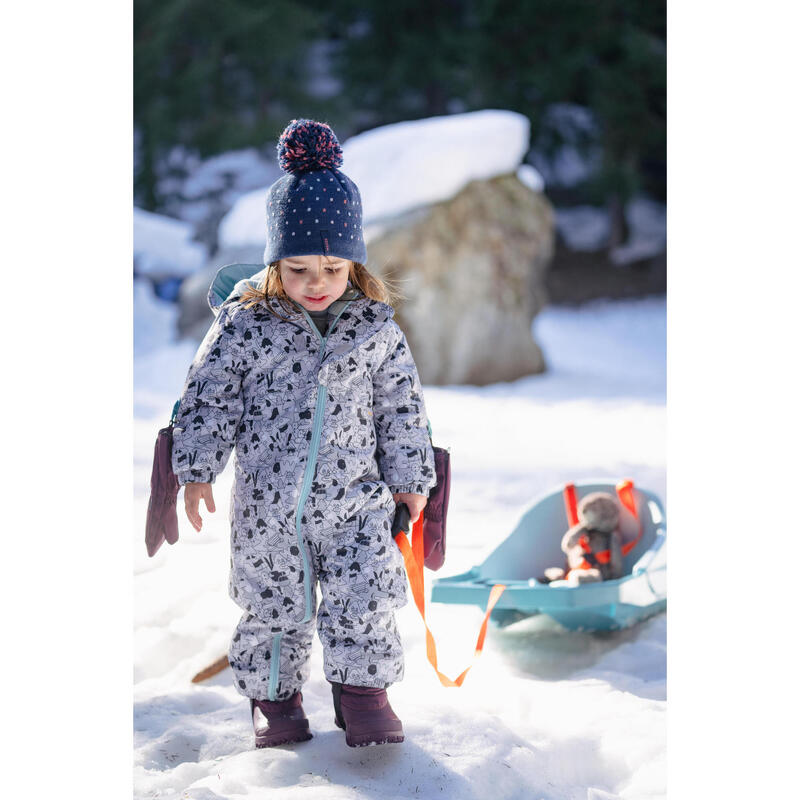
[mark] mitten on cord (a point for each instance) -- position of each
(162, 515)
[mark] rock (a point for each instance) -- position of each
(471, 274)
(195, 317)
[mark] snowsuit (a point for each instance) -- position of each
(325, 430)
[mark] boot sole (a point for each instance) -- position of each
(262, 742)
(366, 739)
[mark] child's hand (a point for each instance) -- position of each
(415, 503)
(192, 492)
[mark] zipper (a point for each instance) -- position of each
(311, 463)
(274, 666)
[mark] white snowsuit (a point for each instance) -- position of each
(326, 429)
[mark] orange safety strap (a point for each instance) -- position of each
(413, 554)
(571, 503)
(602, 556)
(625, 494)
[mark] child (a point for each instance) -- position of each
(311, 380)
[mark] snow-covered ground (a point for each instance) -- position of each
(543, 714)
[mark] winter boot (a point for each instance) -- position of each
(280, 722)
(364, 714)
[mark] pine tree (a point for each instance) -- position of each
(214, 76)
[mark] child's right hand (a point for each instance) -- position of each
(192, 492)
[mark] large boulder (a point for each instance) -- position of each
(471, 274)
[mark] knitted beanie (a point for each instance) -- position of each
(315, 209)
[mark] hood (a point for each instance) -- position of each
(231, 281)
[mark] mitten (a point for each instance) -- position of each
(162, 515)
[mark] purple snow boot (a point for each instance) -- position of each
(279, 722)
(364, 714)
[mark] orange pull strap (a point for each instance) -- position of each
(413, 554)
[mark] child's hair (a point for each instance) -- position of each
(272, 286)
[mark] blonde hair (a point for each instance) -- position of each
(272, 286)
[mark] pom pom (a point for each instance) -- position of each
(306, 144)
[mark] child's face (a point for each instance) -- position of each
(314, 281)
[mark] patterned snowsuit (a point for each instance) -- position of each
(325, 430)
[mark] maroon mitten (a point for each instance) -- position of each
(280, 722)
(366, 717)
(434, 519)
(162, 516)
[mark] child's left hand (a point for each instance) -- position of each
(415, 503)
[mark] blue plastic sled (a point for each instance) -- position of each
(535, 544)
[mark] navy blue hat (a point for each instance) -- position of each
(315, 209)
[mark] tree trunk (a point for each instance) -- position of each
(618, 226)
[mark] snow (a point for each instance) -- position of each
(407, 165)
(163, 247)
(154, 319)
(411, 164)
(531, 177)
(544, 713)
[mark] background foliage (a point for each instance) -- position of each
(213, 76)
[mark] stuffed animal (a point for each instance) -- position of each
(594, 546)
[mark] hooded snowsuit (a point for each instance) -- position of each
(325, 430)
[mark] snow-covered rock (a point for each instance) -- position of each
(407, 165)
(225, 178)
(202, 191)
(404, 166)
(163, 247)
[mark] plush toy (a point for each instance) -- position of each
(594, 546)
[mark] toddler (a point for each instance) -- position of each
(305, 373)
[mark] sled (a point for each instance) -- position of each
(535, 544)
